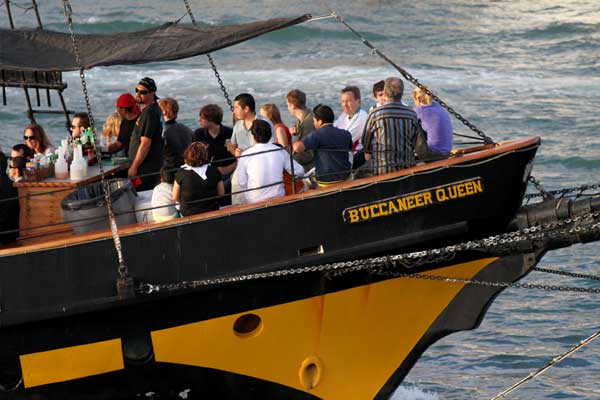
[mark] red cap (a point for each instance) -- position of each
(126, 100)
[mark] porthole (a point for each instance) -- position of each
(247, 325)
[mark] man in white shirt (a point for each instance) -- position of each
(260, 169)
(353, 118)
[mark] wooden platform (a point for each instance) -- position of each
(40, 212)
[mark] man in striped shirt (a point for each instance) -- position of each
(392, 135)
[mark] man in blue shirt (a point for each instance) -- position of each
(332, 148)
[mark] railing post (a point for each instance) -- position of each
(291, 153)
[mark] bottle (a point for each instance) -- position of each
(61, 169)
(77, 165)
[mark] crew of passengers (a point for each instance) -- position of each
(199, 169)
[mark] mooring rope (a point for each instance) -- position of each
(553, 362)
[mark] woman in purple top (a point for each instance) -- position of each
(435, 121)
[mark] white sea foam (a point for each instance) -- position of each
(413, 393)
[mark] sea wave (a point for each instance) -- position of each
(556, 29)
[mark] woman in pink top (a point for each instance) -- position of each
(282, 133)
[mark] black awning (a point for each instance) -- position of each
(43, 50)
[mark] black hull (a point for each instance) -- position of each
(59, 302)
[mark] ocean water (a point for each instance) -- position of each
(514, 69)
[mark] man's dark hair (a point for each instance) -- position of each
(19, 163)
(378, 87)
(246, 100)
(261, 131)
(323, 113)
(354, 90)
(84, 117)
(23, 149)
(212, 113)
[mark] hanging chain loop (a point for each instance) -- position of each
(123, 273)
(211, 61)
(543, 192)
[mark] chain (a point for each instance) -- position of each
(562, 192)
(106, 186)
(553, 362)
(410, 260)
(542, 192)
(210, 60)
(409, 77)
(566, 273)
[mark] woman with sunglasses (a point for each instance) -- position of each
(35, 138)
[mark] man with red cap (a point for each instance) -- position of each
(146, 144)
(129, 112)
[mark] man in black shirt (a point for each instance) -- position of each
(129, 112)
(177, 136)
(146, 145)
(215, 135)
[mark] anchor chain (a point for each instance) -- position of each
(563, 192)
(409, 77)
(211, 61)
(124, 283)
(383, 264)
(567, 273)
(542, 192)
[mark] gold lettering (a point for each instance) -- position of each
(372, 209)
(392, 207)
(364, 213)
(353, 214)
(478, 186)
(410, 202)
(381, 211)
(427, 198)
(401, 204)
(452, 192)
(469, 187)
(461, 190)
(440, 194)
(419, 200)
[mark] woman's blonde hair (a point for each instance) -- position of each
(421, 97)
(273, 113)
(110, 129)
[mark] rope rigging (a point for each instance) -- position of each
(553, 362)
(124, 282)
(409, 77)
(211, 61)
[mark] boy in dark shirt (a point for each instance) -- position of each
(177, 136)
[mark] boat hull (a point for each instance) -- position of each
(351, 336)
(67, 333)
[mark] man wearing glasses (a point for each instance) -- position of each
(81, 121)
(146, 145)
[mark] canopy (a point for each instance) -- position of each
(43, 50)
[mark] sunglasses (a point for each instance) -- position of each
(141, 91)
(27, 138)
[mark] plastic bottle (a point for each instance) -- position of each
(61, 169)
(78, 165)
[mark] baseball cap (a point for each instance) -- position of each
(148, 83)
(126, 100)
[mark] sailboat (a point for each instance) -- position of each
(286, 298)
